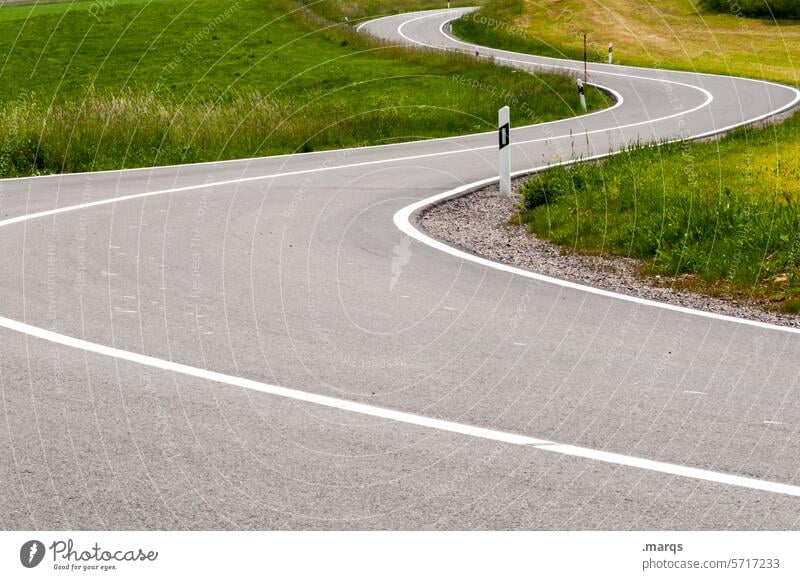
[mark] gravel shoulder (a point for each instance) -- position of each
(479, 223)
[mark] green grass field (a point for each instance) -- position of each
(728, 225)
(105, 85)
(686, 213)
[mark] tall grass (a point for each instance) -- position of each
(726, 214)
(131, 129)
(756, 8)
(299, 83)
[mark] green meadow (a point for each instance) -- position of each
(124, 83)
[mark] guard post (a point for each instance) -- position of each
(504, 116)
(581, 94)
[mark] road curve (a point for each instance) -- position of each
(254, 345)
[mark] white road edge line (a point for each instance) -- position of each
(617, 74)
(407, 418)
(573, 67)
(402, 220)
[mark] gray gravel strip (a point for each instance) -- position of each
(479, 223)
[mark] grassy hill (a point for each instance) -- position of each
(90, 85)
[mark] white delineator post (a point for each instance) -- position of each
(581, 94)
(610, 53)
(504, 122)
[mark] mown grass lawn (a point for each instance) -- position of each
(721, 217)
(105, 85)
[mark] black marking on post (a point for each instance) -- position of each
(505, 136)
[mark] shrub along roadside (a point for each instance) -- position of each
(680, 210)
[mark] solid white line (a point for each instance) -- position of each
(403, 417)
(673, 469)
(296, 395)
(402, 219)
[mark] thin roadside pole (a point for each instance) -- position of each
(585, 61)
(504, 128)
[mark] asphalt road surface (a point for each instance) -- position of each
(270, 344)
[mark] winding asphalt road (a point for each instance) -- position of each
(270, 344)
